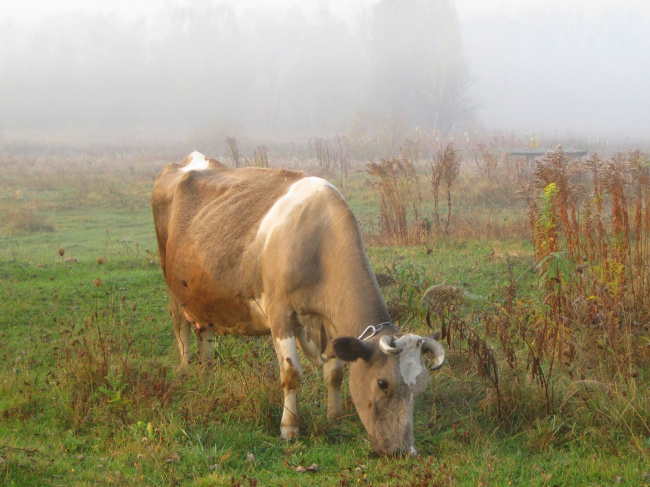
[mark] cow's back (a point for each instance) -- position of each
(207, 221)
(216, 199)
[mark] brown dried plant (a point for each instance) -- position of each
(592, 253)
(444, 170)
(324, 155)
(559, 169)
(234, 151)
(396, 186)
(445, 301)
(261, 155)
(486, 161)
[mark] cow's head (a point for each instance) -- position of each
(387, 374)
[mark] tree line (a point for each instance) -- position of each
(206, 64)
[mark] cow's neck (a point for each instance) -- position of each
(357, 312)
(348, 296)
(355, 302)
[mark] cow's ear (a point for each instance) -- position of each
(349, 349)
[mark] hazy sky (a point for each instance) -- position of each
(562, 67)
(541, 66)
(30, 11)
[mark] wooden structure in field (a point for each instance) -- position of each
(530, 154)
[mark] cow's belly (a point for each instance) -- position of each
(224, 318)
(223, 312)
(208, 300)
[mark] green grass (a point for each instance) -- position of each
(90, 393)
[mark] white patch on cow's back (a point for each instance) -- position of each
(299, 192)
(410, 363)
(198, 163)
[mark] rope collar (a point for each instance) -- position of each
(372, 330)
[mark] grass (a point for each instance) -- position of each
(90, 393)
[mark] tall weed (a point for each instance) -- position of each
(444, 170)
(591, 268)
(396, 186)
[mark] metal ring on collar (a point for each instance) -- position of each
(373, 329)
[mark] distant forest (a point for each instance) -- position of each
(204, 64)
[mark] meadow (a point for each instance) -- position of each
(536, 274)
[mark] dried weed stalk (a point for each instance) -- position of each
(444, 170)
(445, 302)
(396, 186)
(234, 151)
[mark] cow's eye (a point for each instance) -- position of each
(382, 384)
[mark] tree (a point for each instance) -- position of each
(418, 67)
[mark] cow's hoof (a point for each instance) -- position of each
(289, 433)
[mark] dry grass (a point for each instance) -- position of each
(331, 155)
(563, 367)
(27, 220)
(234, 151)
(444, 170)
(396, 186)
(40, 183)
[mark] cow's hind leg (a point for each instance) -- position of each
(286, 349)
(204, 337)
(333, 373)
(183, 332)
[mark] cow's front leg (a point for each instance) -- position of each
(333, 373)
(290, 375)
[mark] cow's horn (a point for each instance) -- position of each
(430, 345)
(387, 345)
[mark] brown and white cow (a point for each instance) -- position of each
(262, 251)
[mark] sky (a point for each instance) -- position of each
(524, 8)
(539, 66)
(561, 67)
(33, 11)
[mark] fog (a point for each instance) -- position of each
(569, 72)
(313, 68)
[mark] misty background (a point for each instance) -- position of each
(289, 71)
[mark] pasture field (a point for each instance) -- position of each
(90, 393)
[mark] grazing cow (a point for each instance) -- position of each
(263, 251)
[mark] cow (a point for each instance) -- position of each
(253, 251)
